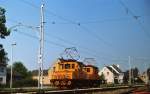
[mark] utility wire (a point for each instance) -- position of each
(60, 39)
(67, 20)
(70, 21)
(59, 45)
(47, 41)
(83, 51)
(76, 45)
(136, 18)
(86, 50)
(50, 12)
(94, 35)
(95, 21)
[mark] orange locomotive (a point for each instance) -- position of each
(72, 73)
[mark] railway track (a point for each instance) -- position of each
(92, 90)
(104, 90)
(141, 90)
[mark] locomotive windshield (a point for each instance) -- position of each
(67, 66)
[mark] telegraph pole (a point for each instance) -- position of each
(41, 48)
(146, 75)
(129, 70)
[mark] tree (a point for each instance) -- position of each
(134, 73)
(3, 56)
(20, 69)
(21, 76)
(126, 77)
(3, 29)
(3, 32)
(102, 78)
(148, 73)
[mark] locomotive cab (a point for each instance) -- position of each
(65, 71)
(91, 72)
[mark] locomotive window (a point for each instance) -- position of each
(61, 66)
(67, 66)
(88, 69)
(72, 66)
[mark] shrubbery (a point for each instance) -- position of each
(25, 83)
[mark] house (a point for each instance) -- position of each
(46, 79)
(2, 73)
(112, 74)
(144, 77)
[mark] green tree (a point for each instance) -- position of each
(102, 78)
(126, 77)
(3, 33)
(3, 29)
(20, 69)
(134, 73)
(148, 73)
(3, 56)
(25, 76)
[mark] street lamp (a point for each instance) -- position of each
(12, 45)
(41, 48)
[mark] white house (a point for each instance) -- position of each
(112, 74)
(2, 73)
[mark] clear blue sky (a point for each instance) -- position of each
(108, 30)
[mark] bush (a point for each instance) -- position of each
(25, 83)
(2, 85)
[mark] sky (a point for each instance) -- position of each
(107, 30)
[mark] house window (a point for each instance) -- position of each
(67, 66)
(1, 69)
(107, 73)
(88, 69)
(73, 66)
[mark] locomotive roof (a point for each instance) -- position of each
(67, 60)
(71, 60)
(92, 66)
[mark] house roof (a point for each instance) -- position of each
(92, 66)
(112, 70)
(117, 68)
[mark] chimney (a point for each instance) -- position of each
(118, 65)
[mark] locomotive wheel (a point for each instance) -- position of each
(63, 83)
(56, 83)
(69, 83)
